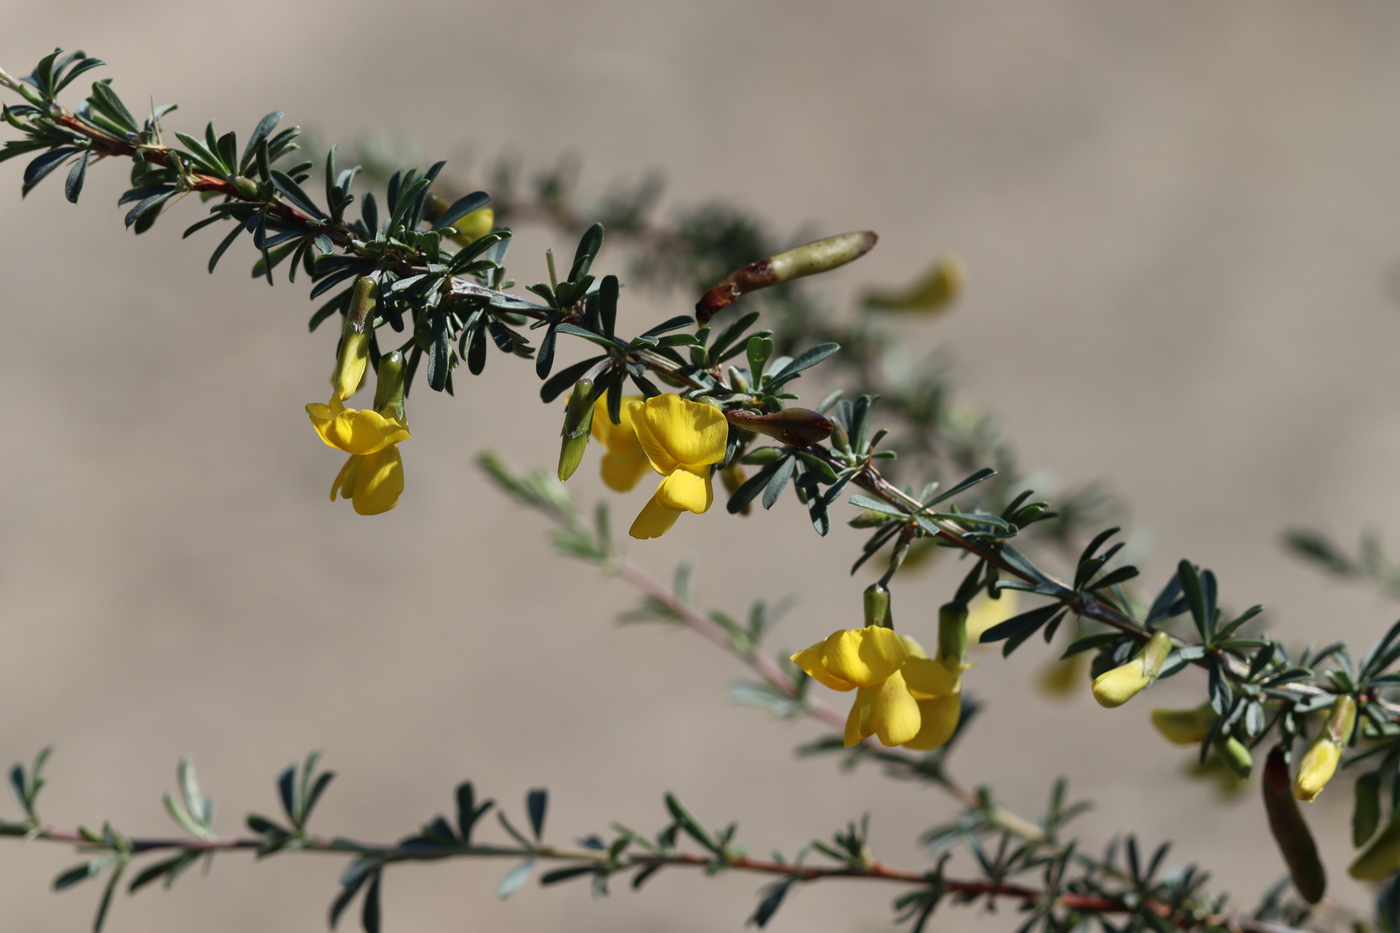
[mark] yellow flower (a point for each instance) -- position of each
(624, 460)
(681, 440)
(473, 226)
(373, 476)
(1119, 685)
(1321, 760)
(986, 612)
(902, 696)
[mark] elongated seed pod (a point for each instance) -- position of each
(808, 259)
(1295, 841)
(796, 427)
(877, 606)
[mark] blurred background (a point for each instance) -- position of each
(1182, 224)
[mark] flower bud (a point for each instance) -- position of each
(578, 421)
(1185, 726)
(246, 187)
(1119, 685)
(737, 381)
(1321, 760)
(877, 606)
(821, 256)
(1235, 754)
(1295, 841)
(388, 391)
(353, 356)
(952, 632)
(796, 427)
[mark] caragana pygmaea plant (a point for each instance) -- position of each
(416, 281)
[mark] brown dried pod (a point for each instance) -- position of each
(1290, 831)
(796, 427)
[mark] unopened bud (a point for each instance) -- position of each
(246, 187)
(578, 421)
(1321, 760)
(1119, 685)
(388, 389)
(1029, 513)
(1295, 841)
(868, 519)
(952, 632)
(877, 606)
(473, 226)
(353, 355)
(737, 380)
(811, 258)
(1236, 756)
(733, 477)
(762, 456)
(796, 427)
(434, 205)
(1185, 726)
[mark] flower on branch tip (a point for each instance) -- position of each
(624, 460)
(681, 440)
(372, 478)
(902, 696)
(1119, 685)
(1321, 760)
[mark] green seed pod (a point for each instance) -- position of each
(1295, 841)
(388, 391)
(811, 258)
(877, 605)
(952, 632)
(796, 427)
(762, 456)
(1366, 814)
(578, 420)
(246, 187)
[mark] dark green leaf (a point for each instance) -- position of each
(461, 208)
(536, 802)
(74, 186)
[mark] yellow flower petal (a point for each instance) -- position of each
(863, 656)
(379, 481)
(345, 480)
(928, 679)
(1316, 769)
(686, 489)
(915, 649)
(674, 431)
(1117, 686)
(810, 660)
(362, 431)
(938, 721)
(653, 521)
(894, 716)
(623, 469)
(859, 716)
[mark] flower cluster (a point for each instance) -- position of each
(679, 439)
(903, 696)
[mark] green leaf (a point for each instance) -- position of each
(76, 175)
(805, 361)
(105, 100)
(295, 195)
(461, 208)
(536, 802)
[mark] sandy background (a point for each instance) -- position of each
(1182, 222)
